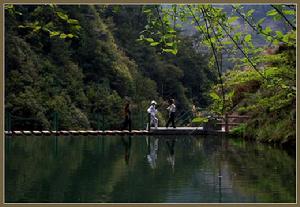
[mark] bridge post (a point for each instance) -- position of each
(103, 121)
(98, 121)
(55, 121)
(226, 122)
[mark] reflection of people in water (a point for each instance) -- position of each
(127, 145)
(152, 148)
(171, 157)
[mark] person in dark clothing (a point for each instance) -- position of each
(172, 109)
(127, 120)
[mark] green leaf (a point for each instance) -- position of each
(62, 16)
(289, 12)
(173, 51)
(277, 17)
(147, 10)
(269, 38)
(171, 30)
(55, 33)
(248, 38)
(226, 42)
(268, 30)
(149, 40)
(237, 36)
(276, 42)
(154, 43)
(77, 27)
(272, 12)
(250, 12)
(72, 21)
(232, 19)
(261, 20)
(170, 44)
(279, 34)
(285, 38)
(63, 36)
(168, 36)
(9, 6)
(37, 28)
(214, 96)
(70, 35)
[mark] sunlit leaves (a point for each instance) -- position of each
(279, 34)
(261, 20)
(62, 16)
(289, 12)
(11, 9)
(160, 30)
(214, 96)
(54, 33)
(61, 25)
(149, 40)
(232, 19)
(237, 36)
(248, 38)
(272, 12)
(250, 12)
(267, 30)
(154, 43)
(173, 51)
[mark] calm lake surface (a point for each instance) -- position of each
(150, 169)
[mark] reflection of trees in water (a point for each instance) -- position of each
(270, 173)
(92, 169)
(43, 167)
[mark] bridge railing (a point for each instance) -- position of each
(97, 120)
(229, 121)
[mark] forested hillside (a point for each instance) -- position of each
(73, 65)
(84, 61)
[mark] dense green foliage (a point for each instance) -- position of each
(271, 104)
(81, 62)
(262, 83)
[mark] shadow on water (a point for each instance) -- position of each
(146, 169)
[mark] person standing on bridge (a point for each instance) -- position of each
(127, 120)
(172, 109)
(152, 112)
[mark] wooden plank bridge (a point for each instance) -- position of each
(227, 123)
(153, 131)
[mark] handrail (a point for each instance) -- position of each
(181, 118)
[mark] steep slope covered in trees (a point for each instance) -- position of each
(81, 61)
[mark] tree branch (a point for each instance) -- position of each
(259, 31)
(160, 19)
(208, 37)
(286, 19)
(242, 51)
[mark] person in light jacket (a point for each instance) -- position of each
(172, 109)
(153, 111)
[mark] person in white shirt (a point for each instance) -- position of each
(153, 111)
(172, 109)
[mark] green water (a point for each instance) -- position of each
(146, 169)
